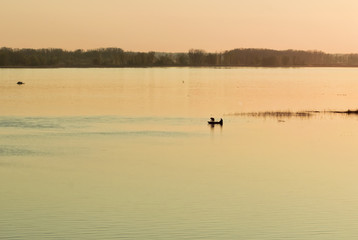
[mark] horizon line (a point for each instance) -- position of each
(176, 52)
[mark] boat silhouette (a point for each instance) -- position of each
(213, 122)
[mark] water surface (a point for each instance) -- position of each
(127, 154)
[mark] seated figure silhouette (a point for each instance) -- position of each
(213, 122)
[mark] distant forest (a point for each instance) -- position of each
(116, 57)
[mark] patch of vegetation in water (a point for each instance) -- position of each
(275, 114)
(290, 114)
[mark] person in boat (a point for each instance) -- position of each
(212, 121)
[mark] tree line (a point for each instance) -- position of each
(116, 57)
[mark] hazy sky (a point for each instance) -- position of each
(179, 25)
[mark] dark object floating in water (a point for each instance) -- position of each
(213, 122)
(20, 83)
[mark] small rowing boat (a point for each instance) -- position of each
(213, 122)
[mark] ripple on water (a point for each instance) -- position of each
(16, 151)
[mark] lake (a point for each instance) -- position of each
(128, 154)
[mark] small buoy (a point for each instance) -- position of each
(20, 83)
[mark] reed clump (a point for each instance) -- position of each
(290, 114)
(275, 114)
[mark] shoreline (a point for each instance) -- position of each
(179, 66)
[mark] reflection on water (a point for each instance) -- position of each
(161, 91)
(257, 179)
(128, 154)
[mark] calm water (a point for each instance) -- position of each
(127, 154)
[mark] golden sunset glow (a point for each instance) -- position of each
(179, 119)
(179, 25)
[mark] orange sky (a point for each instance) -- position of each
(179, 25)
